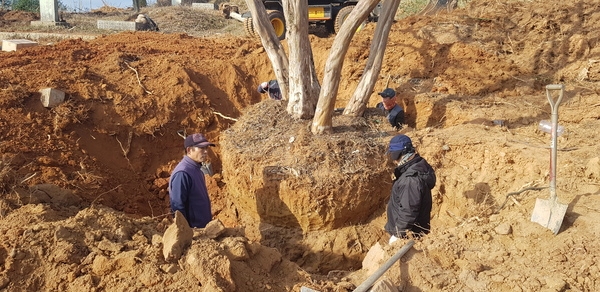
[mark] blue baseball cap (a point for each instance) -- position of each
(388, 93)
(400, 145)
(196, 140)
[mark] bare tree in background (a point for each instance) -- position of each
(137, 4)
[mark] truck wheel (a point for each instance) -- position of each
(341, 16)
(278, 22)
(248, 27)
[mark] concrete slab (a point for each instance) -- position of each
(13, 45)
(208, 6)
(51, 97)
(119, 25)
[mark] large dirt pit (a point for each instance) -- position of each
(84, 200)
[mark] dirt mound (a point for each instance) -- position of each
(13, 17)
(471, 83)
(293, 178)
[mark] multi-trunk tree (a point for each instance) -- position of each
(296, 73)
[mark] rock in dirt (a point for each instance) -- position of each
(212, 269)
(555, 284)
(4, 281)
(384, 285)
(176, 238)
(592, 169)
(503, 229)
(49, 193)
(170, 268)
(107, 245)
(373, 259)
(235, 248)
(214, 229)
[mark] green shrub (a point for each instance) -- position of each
(26, 5)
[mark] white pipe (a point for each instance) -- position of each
(236, 16)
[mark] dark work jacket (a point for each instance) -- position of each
(409, 207)
(395, 116)
(188, 193)
(274, 91)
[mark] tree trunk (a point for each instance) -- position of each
(271, 43)
(322, 121)
(357, 104)
(303, 84)
(136, 6)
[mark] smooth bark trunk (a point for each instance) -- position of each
(303, 84)
(357, 104)
(322, 122)
(271, 43)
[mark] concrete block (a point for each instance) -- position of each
(13, 45)
(51, 97)
(208, 6)
(119, 25)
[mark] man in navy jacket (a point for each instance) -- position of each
(187, 187)
(409, 207)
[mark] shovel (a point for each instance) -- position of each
(550, 213)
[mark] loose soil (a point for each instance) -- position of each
(84, 199)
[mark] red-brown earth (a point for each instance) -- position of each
(472, 83)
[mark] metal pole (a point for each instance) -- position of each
(553, 153)
(371, 280)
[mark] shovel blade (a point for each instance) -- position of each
(549, 213)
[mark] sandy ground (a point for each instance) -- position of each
(84, 200)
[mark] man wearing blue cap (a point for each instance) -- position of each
(395, 113)
(409, 207)
(187, 188)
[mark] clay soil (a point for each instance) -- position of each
(84, 199)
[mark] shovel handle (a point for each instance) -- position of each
(554, 104)
(553, 147)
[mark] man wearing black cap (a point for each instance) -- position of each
(187, 187)
(409, 207)
(395, 113)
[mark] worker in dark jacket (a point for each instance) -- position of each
(394, 113)
(409, 207)
(272, 87)
(187, 187)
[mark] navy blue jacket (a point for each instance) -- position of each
(274, 91)
(188, 193)
(409, 207)
(395, 116)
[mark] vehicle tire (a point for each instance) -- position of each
(278, 22)
(341, 16)
(248, 27)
